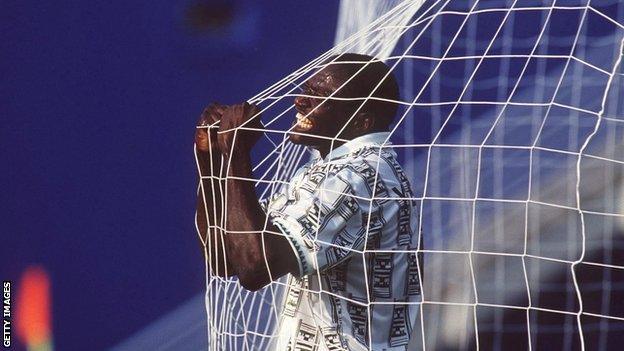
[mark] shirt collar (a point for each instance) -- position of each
(371, 139)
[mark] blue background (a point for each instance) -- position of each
(97, 106)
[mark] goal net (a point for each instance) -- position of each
(511, 129)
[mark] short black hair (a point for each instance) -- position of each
(372, 71)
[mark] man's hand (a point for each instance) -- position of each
(231, 137)
(206, 138)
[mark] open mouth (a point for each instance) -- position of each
(303, 123)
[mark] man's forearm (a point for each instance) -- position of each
(209, 213)
(258, 255)
(243, 211)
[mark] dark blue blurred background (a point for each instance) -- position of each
(97, 104)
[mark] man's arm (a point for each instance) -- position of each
(209, 198)
(209, 217)
(258, 256)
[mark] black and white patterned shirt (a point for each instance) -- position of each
(358, 284)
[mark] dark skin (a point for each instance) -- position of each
(209, 161)
(250, 242)
(327, 117)
(248, 237)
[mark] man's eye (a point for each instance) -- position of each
(317, 93)
(306, 90)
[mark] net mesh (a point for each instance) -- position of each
(511, 128)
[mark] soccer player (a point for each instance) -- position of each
(344, 228)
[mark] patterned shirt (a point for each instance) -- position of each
(358, 285)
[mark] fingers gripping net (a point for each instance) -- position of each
(511, 128)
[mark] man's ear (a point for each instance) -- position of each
(364, 122)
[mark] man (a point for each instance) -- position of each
(345, 227)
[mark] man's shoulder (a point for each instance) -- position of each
(359, 169)
(369, 159)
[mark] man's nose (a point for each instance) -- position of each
(301, 102)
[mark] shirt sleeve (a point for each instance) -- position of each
(264, 204)
(325, 224)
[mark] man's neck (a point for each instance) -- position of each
(325, 149)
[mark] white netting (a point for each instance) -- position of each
(511, 128)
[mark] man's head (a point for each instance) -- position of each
(351, 78)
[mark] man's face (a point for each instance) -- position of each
(317, 116)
